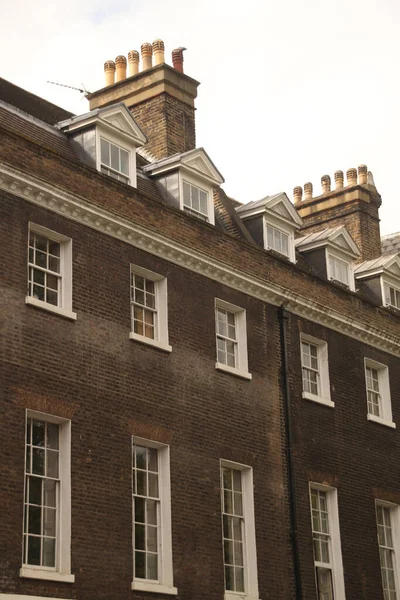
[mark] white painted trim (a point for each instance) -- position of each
(201, 184)
(381, 421)
(153, 587)
(319, 399)
(77, 209)
(270, 219)
(334, 528)
(68, 314)
(25, 597)
(250, 547)
(384, 390)
(242, 368)
(344, 259)
(161, 316)
(62, 572)
(323, 369)
(32, 573)
(395, 523)
(165, 583)
(111, 135)
(65, 294)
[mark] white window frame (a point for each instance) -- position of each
(386, 417)
(241, 368)
(203, 185)
(62, 571)
(280, 226)
(122, 141)
(395, 526)
(386, 286)
(249, 534)
(324, 390)
(343, 259)
(335, 548)
(160, 340)
(165, 584)
(64, 309)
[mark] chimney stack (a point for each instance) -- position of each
(158, 51)
(120, 63)
(355, 206)
(177, 59)
(147, 53)
(133, 63)
(109, 71)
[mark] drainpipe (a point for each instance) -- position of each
(283, 317)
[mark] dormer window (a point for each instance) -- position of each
(272, 222)
(338, 270)
(186, 181)
(114, 161)
(106, 139)
(277, 240)
(392, 296)
(195, 201)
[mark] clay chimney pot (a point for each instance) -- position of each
(362, 174)
(109, 71)
(351, 175)
(177, 59)
(147, 54)
(133, 63)
(326, 184)
(120, 63)
(297, 194)
(158, 51)
(339, 179)
(308, 191)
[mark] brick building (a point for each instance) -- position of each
(199, 397)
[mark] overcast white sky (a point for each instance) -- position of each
(290, 89)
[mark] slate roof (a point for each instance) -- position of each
(32, 104)
(391, 243)
(376, 263)
(318, 236)
(258, 203)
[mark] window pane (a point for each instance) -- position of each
(140, 565)
(114, 157)
(140, 504)
(152, 568)
(49, 552)
(124, 162)
(35, 490)
(105, 152)
(33, 550)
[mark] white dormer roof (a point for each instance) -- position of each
(197, 162)
(115, 118)
(337, 238)
(388, 264)
(278, 206)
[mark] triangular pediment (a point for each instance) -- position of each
(199, 161)
(393, 267)
(280, 206)
(121, 118)
(344, 241)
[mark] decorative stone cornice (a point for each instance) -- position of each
(76, 208)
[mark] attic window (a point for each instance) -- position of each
(195, 201)
(277, 240)
(338, 270)
(114, 161)
(392, 296)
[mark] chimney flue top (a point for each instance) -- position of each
(133, 63)
(308, 191)
(177, 59)
(147, 54)
(362, 174)
(158, 51)
(120, 63)
(326, 184)
(109, 71)
(338, 180)
(351, 175)
(297, 194)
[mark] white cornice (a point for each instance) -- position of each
(76, 208)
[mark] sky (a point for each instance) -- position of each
(290, 89)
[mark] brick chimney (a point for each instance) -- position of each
(355, 205)
(160, 97)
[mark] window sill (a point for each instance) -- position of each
(381, 421)
(33, 573)
(238, 595)
(233, 371)
(62, 312)
(154, 587)
(149, 342)
(318, 399)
